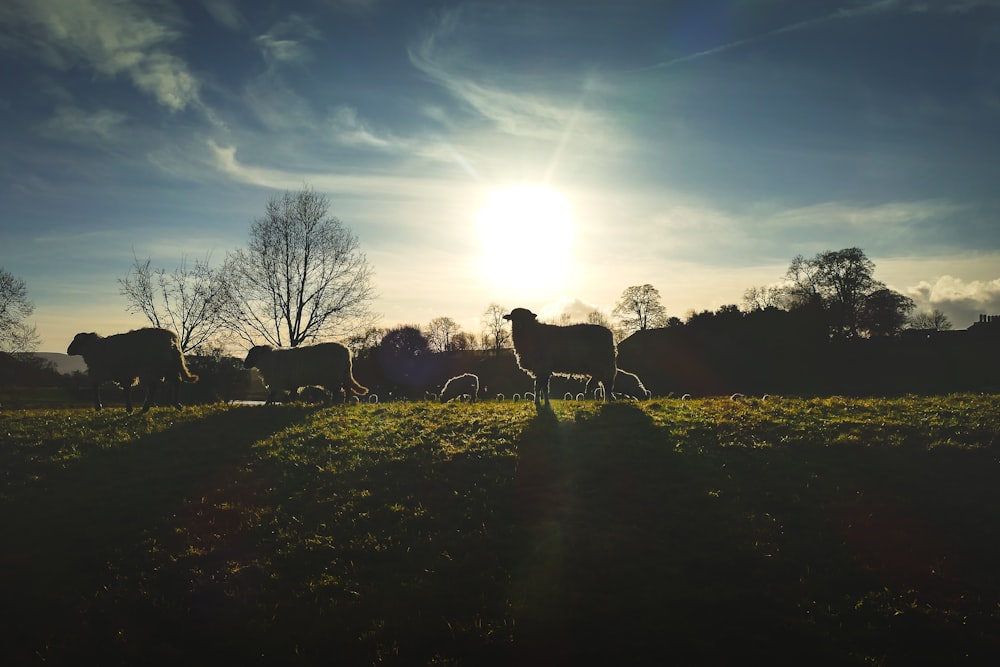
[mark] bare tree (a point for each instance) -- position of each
(639, 309)
(302, 276)
(762, 298)
(187, 301)
(439, 332)
(16, 335)
(933, 319)
(462, 341)
(495, 326)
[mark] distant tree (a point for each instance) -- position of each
(302, 276)
(761, 298)
(403, 342)
(885, 313)
(639, 309)
(361, 343)
(933, 319)
(188, 301)
(495, 325)
(597, 317)
(462, 341)
(16, 335)
(439, 332)
(854, 303)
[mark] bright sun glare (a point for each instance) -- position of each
(526, 237)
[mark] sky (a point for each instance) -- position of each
(697, 146)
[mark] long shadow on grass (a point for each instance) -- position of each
(630, 546)
(62, 539)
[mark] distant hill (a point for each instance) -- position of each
(64, 363)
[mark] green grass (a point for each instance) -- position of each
(705, 532)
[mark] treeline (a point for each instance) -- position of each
(790, 352)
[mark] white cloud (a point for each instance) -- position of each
(449, 57)
(348, 128)
(576, 309)
(963, 301)
(285, 41)
(226, 13)
(73, 123)
(112, 38)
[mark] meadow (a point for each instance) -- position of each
(698, 532)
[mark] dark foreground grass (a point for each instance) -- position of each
(711, 532)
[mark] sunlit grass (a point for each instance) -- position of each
(844, 531)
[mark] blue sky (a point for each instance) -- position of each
(697, 146)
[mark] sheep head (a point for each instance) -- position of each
(521, 315)
(256, 353)
(82, 342)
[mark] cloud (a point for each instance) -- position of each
(963, 301)
(451, 55)
(349, 129)
(113, 39)
(86, 126)
(575, 309)
(224, 160)
(226, 13)
(285, 41)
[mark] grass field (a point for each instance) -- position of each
(701, 532)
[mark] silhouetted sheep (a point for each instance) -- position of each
(326, 364)
(311, 394)
(629, 384)
(147, 355)
(460, 385)
(543, 350)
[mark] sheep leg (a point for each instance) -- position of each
(542, 386)
(176, 393)
(97, 396)
(150, 392)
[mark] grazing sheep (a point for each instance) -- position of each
(575, 350)
(568, 396)
(581, 396)
(326, 364)
(311, 394)
(529, 396)
(515, 397)
(373, 398)
(736, 396)
(147, 355)
(629, 384)
(500, 397)
(466, 383)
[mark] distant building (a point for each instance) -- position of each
(988, 326)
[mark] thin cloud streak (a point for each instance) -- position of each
(841, 14)
(113, 39)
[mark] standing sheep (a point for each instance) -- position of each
(466, 383)
(147, 355)
(546, 349)
(326, 364)
(629, 384)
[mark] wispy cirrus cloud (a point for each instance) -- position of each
(286, 41)
(70, 122)
(855, 11)
(113, 39)
(512, 102)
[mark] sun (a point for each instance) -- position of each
(526, 237)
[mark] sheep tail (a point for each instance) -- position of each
(354, 387)
(182, 370)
